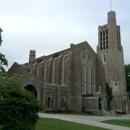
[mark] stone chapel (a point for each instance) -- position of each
(78, 75)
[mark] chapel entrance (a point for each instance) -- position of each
(31, 89)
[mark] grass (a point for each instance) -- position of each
(55, 124)
(120, 122)
(0, 127)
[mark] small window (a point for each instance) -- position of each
(117, 33)
(100, 34)
(103, 33)
(116, 84)
(119, 39)
(106, 32)
(104, 58)
(62, 105)
(107, 42)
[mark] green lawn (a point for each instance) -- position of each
(120, 122)
(0, 127)
(55, 124)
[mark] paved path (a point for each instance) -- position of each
(89, 120)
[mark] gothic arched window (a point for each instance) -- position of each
(39, 70)
(54, 70)
(49, 100)
(63, 100)
(65, 70)
(47, 71)
(87, 72)
(33, 68)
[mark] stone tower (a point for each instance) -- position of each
(111, 52)
(32, 55)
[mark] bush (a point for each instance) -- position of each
(89, 112)
(54, 110)
(118, 112)
(60, 111)
(18, 110)
(66, 110)
(83, 108)
(48, 111)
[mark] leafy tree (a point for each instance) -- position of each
(109, 96)
(8, 82)
(3, 61)
(0, 36)
(127, 74)
(18, 110)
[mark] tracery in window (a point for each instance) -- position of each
(47, 71)
(63, 100)
(65, 70)
(54, 72)
(87, 73)
(49, 100)
(33, 68)
(103, 39)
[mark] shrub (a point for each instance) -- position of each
(89, 112)
(18, 110)
(48, 111)
(54, 110)
(83, 108)
(118, 112)
(60, 111)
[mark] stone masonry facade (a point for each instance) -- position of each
(71, 76)
(111, 52)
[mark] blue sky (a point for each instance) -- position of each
(48, 26)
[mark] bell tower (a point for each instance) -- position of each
(111, 52)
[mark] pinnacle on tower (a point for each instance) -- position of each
(111, 17)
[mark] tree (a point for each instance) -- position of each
(0, 36)
(109, 96)
(17, 107)
(127, 74)
(8, 82)
(18, 110)
(3, 60)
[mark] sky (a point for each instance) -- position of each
(48, 26)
